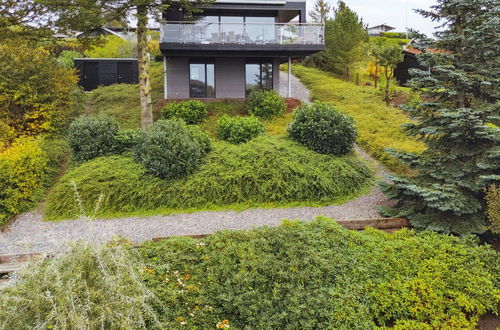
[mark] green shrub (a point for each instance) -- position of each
(66, 58)
(321, 276)
(170, 150)
(92, 136)
(239, 129)
(125, 140)
(379, 126)
(87, 287)
(323, 129)
(192, 111)
(263, 172)
(265, 104)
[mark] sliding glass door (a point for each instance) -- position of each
(201, 80)
(258, 75)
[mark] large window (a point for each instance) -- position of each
(201, 80)
(258, 76)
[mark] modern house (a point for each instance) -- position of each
(376, 31)
(234, 47)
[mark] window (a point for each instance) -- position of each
(258, 76)
(201, 80)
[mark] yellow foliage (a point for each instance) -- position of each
(36, 94)
(22, 169)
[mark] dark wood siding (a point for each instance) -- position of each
(105, 72)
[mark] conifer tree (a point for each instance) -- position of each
(320, 12)
(458, 120)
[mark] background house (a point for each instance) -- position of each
(376, 31)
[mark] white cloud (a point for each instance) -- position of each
(392, 12)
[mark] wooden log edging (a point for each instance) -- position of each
(385, 224)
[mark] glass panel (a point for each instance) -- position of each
(210, 29)
(197, 86)
(260, 30)
(210, 80)
(252, 77)
(231, 29)
(267, 76)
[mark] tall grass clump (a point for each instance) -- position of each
(264, 171)
(379, 126)
(87, 287)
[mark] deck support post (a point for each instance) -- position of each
(165, 93)
(289, 77)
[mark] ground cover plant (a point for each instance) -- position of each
(379, 126)
(239, 129)
(320, 127)
(318, 275)
(266, 171)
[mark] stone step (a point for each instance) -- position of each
(4, 282)
(9, 267)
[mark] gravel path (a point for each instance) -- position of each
(29, 233)
(298, 90)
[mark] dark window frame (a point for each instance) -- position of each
(204, 62)
(260, 63)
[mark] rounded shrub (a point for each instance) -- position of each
(239, 129)
(170, 149)
(92, 136)
(192, 111)
(323, 129)
(265, 104)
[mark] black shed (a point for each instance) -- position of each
(410, 61)
(96, 72)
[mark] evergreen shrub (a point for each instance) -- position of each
(239, 129)
(265, 104)
(192, 111)
(92, 136)
(321, 276)
(320, 127)
(170, 149)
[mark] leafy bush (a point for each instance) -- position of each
(192, 111)
(66, 58)
(239, 129)
(318, 275)
(92, 136)
(113, 47)
(323, 129)
(265, 104)
(265, 171)
(37, 95)
(379, 126)
(88, 287)
(170, 150)
(27, 168)
(125, 140)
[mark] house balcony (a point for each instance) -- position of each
(241, 39)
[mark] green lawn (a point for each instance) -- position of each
(379, 126)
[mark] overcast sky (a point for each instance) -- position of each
(391, 12)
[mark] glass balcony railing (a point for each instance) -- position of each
(243, 33)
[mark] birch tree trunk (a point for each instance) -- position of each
(143, 59)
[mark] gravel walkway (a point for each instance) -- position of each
(299, 92)
(29, 233)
